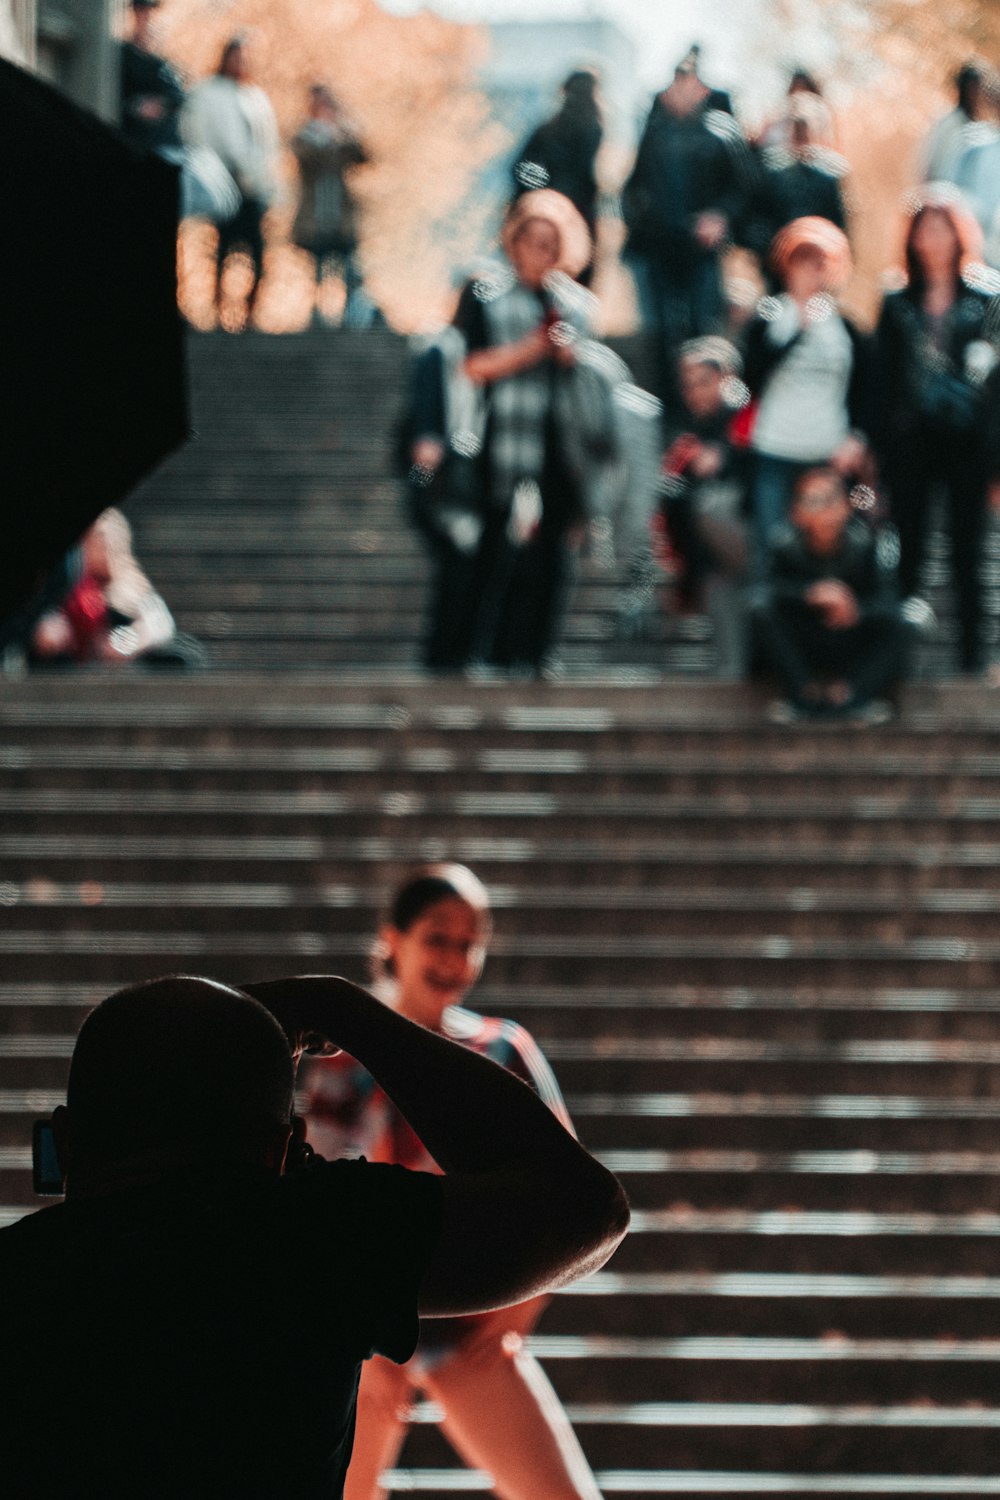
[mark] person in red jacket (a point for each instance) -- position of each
(499, 1411)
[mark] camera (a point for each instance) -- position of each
(46, 1173)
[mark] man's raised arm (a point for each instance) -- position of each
(526, 1208)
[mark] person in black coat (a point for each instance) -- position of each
(827, 617)
(937, 347)
(811, 373)
(562, 152)
(150, 91)
(803, 177)
(684, 194)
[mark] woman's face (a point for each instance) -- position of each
(535, 251)
(807, 273)
(934, 242)
(438, 959)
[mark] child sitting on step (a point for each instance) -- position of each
(703, 493)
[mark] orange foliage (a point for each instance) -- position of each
(408, 83)
(894, 79)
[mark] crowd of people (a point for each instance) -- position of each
(526, 437)
(223, 135)
(800, 454)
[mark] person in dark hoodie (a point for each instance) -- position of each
(151, 93)
(562, 152)
(800, 176)
(685, 192)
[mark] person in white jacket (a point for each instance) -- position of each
(234, 118)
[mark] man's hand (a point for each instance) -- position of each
(835, 602)
(427, 454)
(526, 1208)
(852, 457)
(710, 229)
(707, 462)
(294, 1009)
(560, 342)
(53, 635)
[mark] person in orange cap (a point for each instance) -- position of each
(810, 372)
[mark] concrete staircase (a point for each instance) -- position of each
(761, 961)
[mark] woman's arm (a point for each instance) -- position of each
(484, 366)
(526, 1208)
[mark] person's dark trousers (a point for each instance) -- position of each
(245, 230)
(518, 593)
(681, 519)
(772, 484)
(533, 610)
(676, 303)
(871, 656)
(913, 469)
(447, 644)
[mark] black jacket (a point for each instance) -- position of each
(914, 385)
(684, 168)
(565, 150)
(794, 569)
(146, 77)
(788, 189)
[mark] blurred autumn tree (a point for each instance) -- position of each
(408, 83)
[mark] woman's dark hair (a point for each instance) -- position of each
(915, 275)
(802, 81)
(431, 884)
(580, 97)
(967, 82)
(235, 44)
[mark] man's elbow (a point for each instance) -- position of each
(617, 1214)
(602, 1219)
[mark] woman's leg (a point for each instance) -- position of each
(502, 1416)
(772, 481)
(253, 230)
(909, 475)
(965, 484)
(383, 1416)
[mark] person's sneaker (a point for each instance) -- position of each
(866, 715)
(783, 711)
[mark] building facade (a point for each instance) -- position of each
(70, 43)
(529, 59)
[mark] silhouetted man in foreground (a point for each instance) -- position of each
(191, 1322)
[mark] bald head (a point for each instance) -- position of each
(182, 1066)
